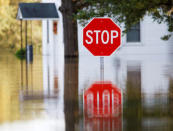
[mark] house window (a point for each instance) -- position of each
(55, 24)
(133, 35)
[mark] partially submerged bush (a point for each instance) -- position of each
(21, 53)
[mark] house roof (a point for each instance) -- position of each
(37, 11)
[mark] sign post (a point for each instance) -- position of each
(102, 68)
(102, 37)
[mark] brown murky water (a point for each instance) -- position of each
(47, 94)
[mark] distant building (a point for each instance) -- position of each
(50, 32)
(48, 14)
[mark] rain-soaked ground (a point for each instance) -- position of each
(52, 94)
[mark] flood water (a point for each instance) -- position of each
(47, 93)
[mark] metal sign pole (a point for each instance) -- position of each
(102, 68)
(26, 31)
(31, 32)
(21, 34)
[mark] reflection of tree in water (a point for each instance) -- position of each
(133, 100)
(10, 27)
(170, 97)
(71, 93)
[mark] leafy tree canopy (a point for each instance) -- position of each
(128, 12)
(10, 26)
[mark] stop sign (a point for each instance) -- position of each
(101, 36)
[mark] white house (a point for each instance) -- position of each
(144, 53)
(48, 14)
(50, 32)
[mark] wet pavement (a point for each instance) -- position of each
(53, 94)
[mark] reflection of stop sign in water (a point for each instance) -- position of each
(102, 99)
(101, 36)
(102, 107)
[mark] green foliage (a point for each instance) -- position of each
(166, 37)
(21, 53)
(9, 27)
(128, 12)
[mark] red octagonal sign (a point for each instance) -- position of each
(101, 36)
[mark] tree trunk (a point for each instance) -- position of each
(71, 105)
(70, 28)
